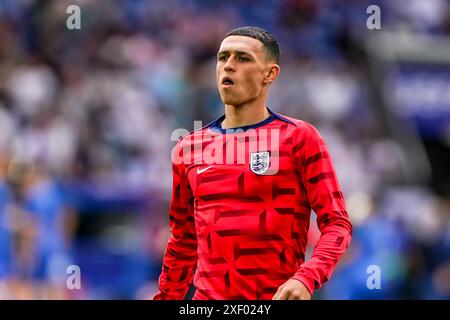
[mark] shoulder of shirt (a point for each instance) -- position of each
(300, 125)
(189, 135)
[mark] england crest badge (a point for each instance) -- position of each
(259, 162)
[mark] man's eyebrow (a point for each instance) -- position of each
(239, 52)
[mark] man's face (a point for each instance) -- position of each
(240, 70)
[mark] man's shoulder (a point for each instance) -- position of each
(190, 137)
(298, 125)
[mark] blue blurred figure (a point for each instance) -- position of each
(375, 265)
(40, 231)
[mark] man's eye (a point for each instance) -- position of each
(222, 58)
(243, 59)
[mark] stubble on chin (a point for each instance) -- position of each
(228, 99)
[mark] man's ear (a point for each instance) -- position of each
(272, 74)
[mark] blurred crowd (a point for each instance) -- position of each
(86, 118)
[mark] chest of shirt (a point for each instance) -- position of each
(242, 168)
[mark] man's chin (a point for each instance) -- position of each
(231, 101)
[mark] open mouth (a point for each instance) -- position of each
(227, 82)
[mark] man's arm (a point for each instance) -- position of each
(180, 256)
(319, 179)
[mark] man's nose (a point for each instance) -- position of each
(229, 65)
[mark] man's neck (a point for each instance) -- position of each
(246, 115)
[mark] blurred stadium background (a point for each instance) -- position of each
(86, 118)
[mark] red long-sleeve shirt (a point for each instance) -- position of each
(240, 211)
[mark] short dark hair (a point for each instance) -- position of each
(269, 42)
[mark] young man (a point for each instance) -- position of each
(243, 190)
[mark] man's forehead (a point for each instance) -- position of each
(241, 43)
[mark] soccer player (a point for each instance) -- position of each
(243, 189)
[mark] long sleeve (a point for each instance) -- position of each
(319, 179)
(180, 257)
